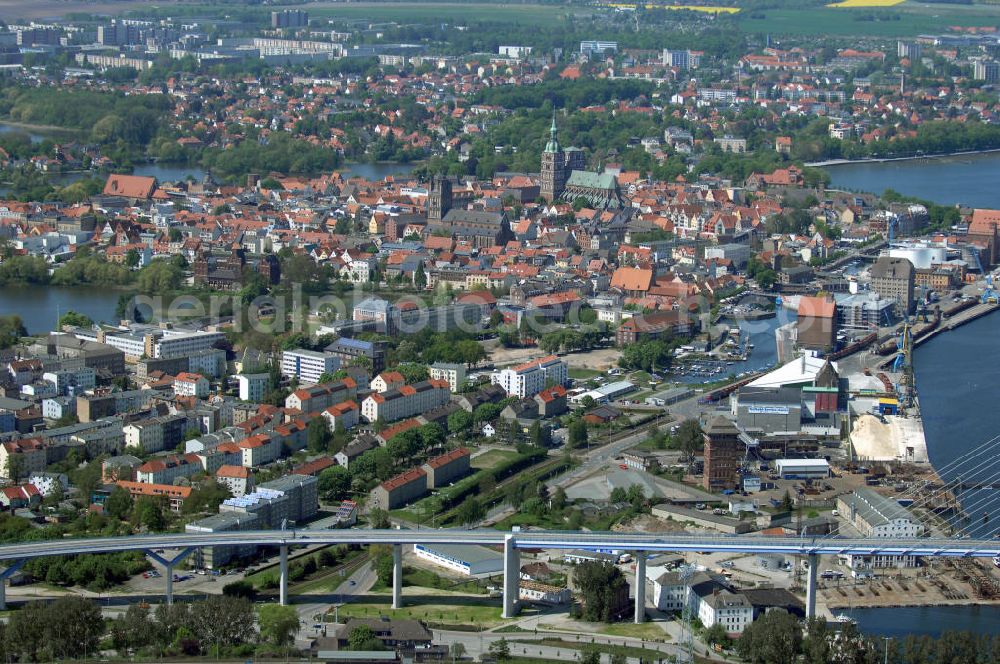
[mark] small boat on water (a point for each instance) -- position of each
(843, 618)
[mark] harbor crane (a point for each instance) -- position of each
(989, 295)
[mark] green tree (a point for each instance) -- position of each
(334, 483)
(471, 511)
(148, 512)
(132, 257)
(578, 436)
(379, 518)
(689, 437)
(318, 435)
(774, 637)
(459, 421)
(224, 621)
(420, 277)
(363, 637)
(278, 624)
(119, 503)
(599, 584)
(11, 330)
(74, 319)
(500, 649)
(73, 627)
(133, 630)
(241, 588)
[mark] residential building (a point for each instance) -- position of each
(445, 469)
(400, 490)
(165, 470)
(20, 458)
(405, 401)
(237, 479)
(252, 387)
(174, 495)
(190, 385)
(155, 434)
(453, 373)
(387, 380)
(307, 366)
(355, 448)
(353, 351)
(530, 378)
(344, 415)
(317, 397)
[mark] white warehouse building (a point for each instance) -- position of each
(802, 469)
(465, 559)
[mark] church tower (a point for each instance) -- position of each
(439, 199)
(553, 167)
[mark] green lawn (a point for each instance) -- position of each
(427, 579)
(435, 12)
(492, 458)
(439, 608)
(580, 372)
(909, 19)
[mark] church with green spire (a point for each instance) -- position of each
(564, 177)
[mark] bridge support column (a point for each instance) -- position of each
(4, 575)
(511, 577)
(640, 587)
(811, 586)
(397, 576)
(168, 567)
(283, 576)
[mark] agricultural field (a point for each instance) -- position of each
(866, 3)
(900, 20)
(707, 9)
(438, 11)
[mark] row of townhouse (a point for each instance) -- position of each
(405, 401)
(315, 398)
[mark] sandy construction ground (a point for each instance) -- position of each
(600, 359)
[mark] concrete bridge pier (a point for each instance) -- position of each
(4, 575)
(511, 577)
(811, 586)
(640, 587)
(283, 575)
(397, 576)
(168, 565)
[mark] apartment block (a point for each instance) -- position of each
(530, 378)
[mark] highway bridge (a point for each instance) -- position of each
(512, 542)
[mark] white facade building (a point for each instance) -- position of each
(252, 387)
(308, 365)
(530, 378)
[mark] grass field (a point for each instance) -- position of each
(434, 607)
(580, 372)
(438, 11)
(492, 458)
(902, 20)
(866, 3)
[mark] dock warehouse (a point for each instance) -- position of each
(466, 559)
(802, 469)
(606, 393)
